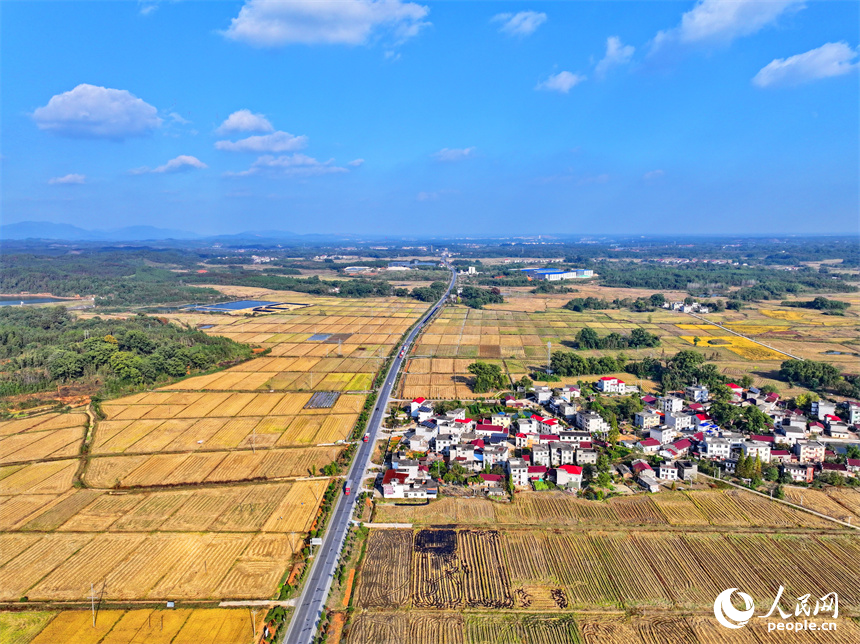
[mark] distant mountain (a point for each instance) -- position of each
(67, 232)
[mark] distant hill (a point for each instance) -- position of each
(44, 230)
(67, 232)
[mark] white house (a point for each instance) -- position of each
(609, 385)
(715, 448)
(671, 404)
(697, 393)
(662, 433)
(569, 392)
(649, 445)
(668, 471)
(753, 449)
(568, 476)
(591, 422)
(678, 421)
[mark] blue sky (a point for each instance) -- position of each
(392, 117)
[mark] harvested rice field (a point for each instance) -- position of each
(547, 626)
(512, 569)
(707, 508)
(205, 467)
(181, 422)
(138, 626)
(326, 345)
(42, 437)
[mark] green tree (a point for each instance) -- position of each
(65, 365)
(488, 377)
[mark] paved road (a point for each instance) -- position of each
(310, 604)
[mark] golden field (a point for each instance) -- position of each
(139, 626)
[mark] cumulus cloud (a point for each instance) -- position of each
(524, 23)
(562, 82)
(454, 154)
(90, 111)
(653, 174)
(617, 54)
(245, 121)
(355, 163)
(721, 21)
(180, 164)
(274, 23)
(69, 179)
(831, 59)
(274, 142)
(293, 164)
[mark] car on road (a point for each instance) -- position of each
(346, 489)
(366, 438)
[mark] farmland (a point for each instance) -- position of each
(552, 568)
(203, 490)
(193, 544)
(515, 334)
(140, 626)
(415, 627)
(707, 508)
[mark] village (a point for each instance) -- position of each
(550, 438)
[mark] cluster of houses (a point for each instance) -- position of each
(683, 307)
(557, 452)
(678, 426)
(535, 447)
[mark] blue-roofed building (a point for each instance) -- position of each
(555, 274)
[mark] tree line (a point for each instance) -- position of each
(44, 347)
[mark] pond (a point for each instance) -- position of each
(18, 300)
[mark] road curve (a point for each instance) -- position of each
(310, 604)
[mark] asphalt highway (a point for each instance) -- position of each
(310, 604)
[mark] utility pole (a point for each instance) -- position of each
(93, 602)
(549, 358)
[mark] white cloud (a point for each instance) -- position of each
(69, 179)
(90, 111)
(294, 164)
(273, 23)
(180, 164)
(616, 54)
(524, 23)
(356, 163)
(454, 154)
(245, 121)
(721, 21)
(831, 59)
(561, 82)
(275, 142)
(177, 118)
(653, 174)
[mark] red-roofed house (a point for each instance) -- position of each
(536, 472)
(609, 385)
(649, 445)
(568, 476)
(415, 404)
(735, 388)
(853, 465)
(682, 446)
(762, 438)
(638, 466)
(780, 456)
